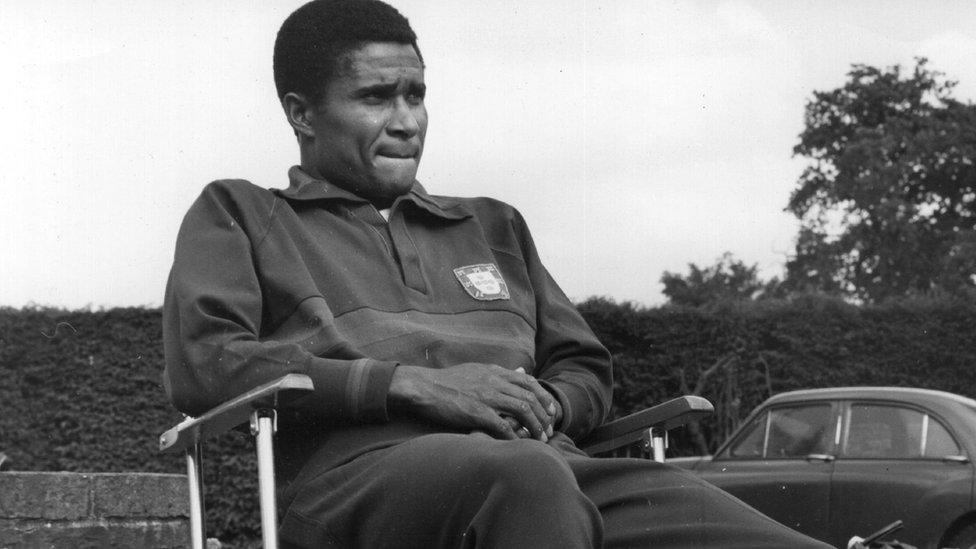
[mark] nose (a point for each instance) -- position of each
(405, 121)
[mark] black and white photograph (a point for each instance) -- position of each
(488, 273)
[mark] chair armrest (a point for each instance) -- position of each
(629, 429)
(231, 413)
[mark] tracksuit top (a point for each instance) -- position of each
(312, 279)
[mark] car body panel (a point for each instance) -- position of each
(926, 495)
(794, 492)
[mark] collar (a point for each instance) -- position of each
(303, 187)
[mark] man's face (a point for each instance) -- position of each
(370, 127)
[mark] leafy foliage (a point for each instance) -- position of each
(888, 200)
(728, 280)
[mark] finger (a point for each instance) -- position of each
(498, 426)
(514, 386)
(520, 431)
(557, 418)
(542, 416)
(546, 399)
(523, 411)
(541, 393)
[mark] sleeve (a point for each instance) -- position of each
(570, 362)
(212, 324)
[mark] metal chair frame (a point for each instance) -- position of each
(257, 407)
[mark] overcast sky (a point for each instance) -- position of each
(635, 136)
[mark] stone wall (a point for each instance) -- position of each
(93, 510)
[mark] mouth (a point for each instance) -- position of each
(397, 155)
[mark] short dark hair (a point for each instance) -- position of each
(314, 38)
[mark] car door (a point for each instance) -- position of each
(781, 464)
(896, 462)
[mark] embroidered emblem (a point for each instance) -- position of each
(482, 281)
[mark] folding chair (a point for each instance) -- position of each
(647, 429)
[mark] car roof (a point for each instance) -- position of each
(908, 394)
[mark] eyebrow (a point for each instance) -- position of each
(389, 88)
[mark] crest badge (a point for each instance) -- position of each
(482, 281)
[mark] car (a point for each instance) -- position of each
(838, 462)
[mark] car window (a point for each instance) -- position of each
(895, 432)
(799, 431)
(937, 442)
(750, 442)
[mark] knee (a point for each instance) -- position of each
(524, 488)
(474, 464)
(526, 466)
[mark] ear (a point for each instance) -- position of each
(299, 111)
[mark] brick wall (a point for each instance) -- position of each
(93, 510)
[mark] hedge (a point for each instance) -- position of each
(81, 390)
(760, 348)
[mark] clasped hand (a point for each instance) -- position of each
(504, 403)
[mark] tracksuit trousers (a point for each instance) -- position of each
(470, 490)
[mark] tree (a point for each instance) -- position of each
(888, 201)
(729, 279)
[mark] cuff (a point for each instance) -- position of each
(366, 397)
(359, 395)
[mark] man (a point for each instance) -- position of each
(451, 373)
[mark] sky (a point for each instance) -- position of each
(635, 136)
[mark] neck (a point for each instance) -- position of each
(380, 202)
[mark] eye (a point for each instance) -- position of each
(415, 95)
(415, 98)
(374, 98)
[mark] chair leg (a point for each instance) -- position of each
(263, 428)
(656, 441)
(195, 481)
